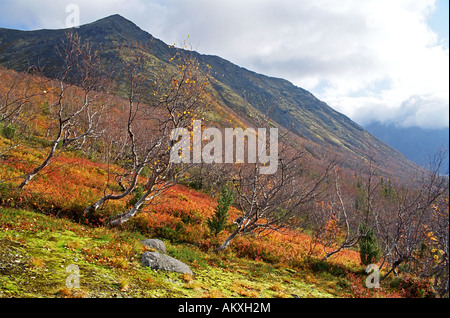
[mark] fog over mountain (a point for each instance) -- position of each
(417, 144)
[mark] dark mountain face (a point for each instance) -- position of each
(247, 94)
(20, 50)
(417, 144)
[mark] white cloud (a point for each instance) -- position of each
(407, 54)
(372, 59)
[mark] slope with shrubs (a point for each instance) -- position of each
(43, 231)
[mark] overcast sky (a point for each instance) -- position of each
(373, 60)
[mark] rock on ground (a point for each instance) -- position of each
(164, 262)
(156, 244)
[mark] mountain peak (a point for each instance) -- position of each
(115, 18)
(116, 21)
(114, 27)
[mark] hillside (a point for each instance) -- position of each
(86, 174)
(42, 232)
(247, 94)
(37, 249)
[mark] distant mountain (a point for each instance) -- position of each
(417, 144)
(321, 129)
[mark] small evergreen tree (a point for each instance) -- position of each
(360, 201)
(368, 247)
(387, 190)
(218, 221)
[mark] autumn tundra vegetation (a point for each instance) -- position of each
(88, 158)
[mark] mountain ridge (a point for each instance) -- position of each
(245, 92)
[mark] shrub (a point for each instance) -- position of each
(174, 232)
(368, 247)
(9, 131)
(218, 221)
(413, 287)
(45, 108)
(321, 266)
(138, 193)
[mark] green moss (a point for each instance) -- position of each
(37, 249)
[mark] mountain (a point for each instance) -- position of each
(21, 49)
(417, 144)
(319, 128)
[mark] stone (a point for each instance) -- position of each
(155, 244)
(159, 261)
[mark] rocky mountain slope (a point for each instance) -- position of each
(323, 131)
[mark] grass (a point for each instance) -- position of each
(43, 234)
(37, 250)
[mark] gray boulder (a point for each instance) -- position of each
(155, 244)
(164, 262)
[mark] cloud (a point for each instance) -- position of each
(373, 60)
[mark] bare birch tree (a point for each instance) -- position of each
(173, 100)
(401, 228)
(342, 218)
(17, 109)
(76, 115)
(275, 201)
(125, 150)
